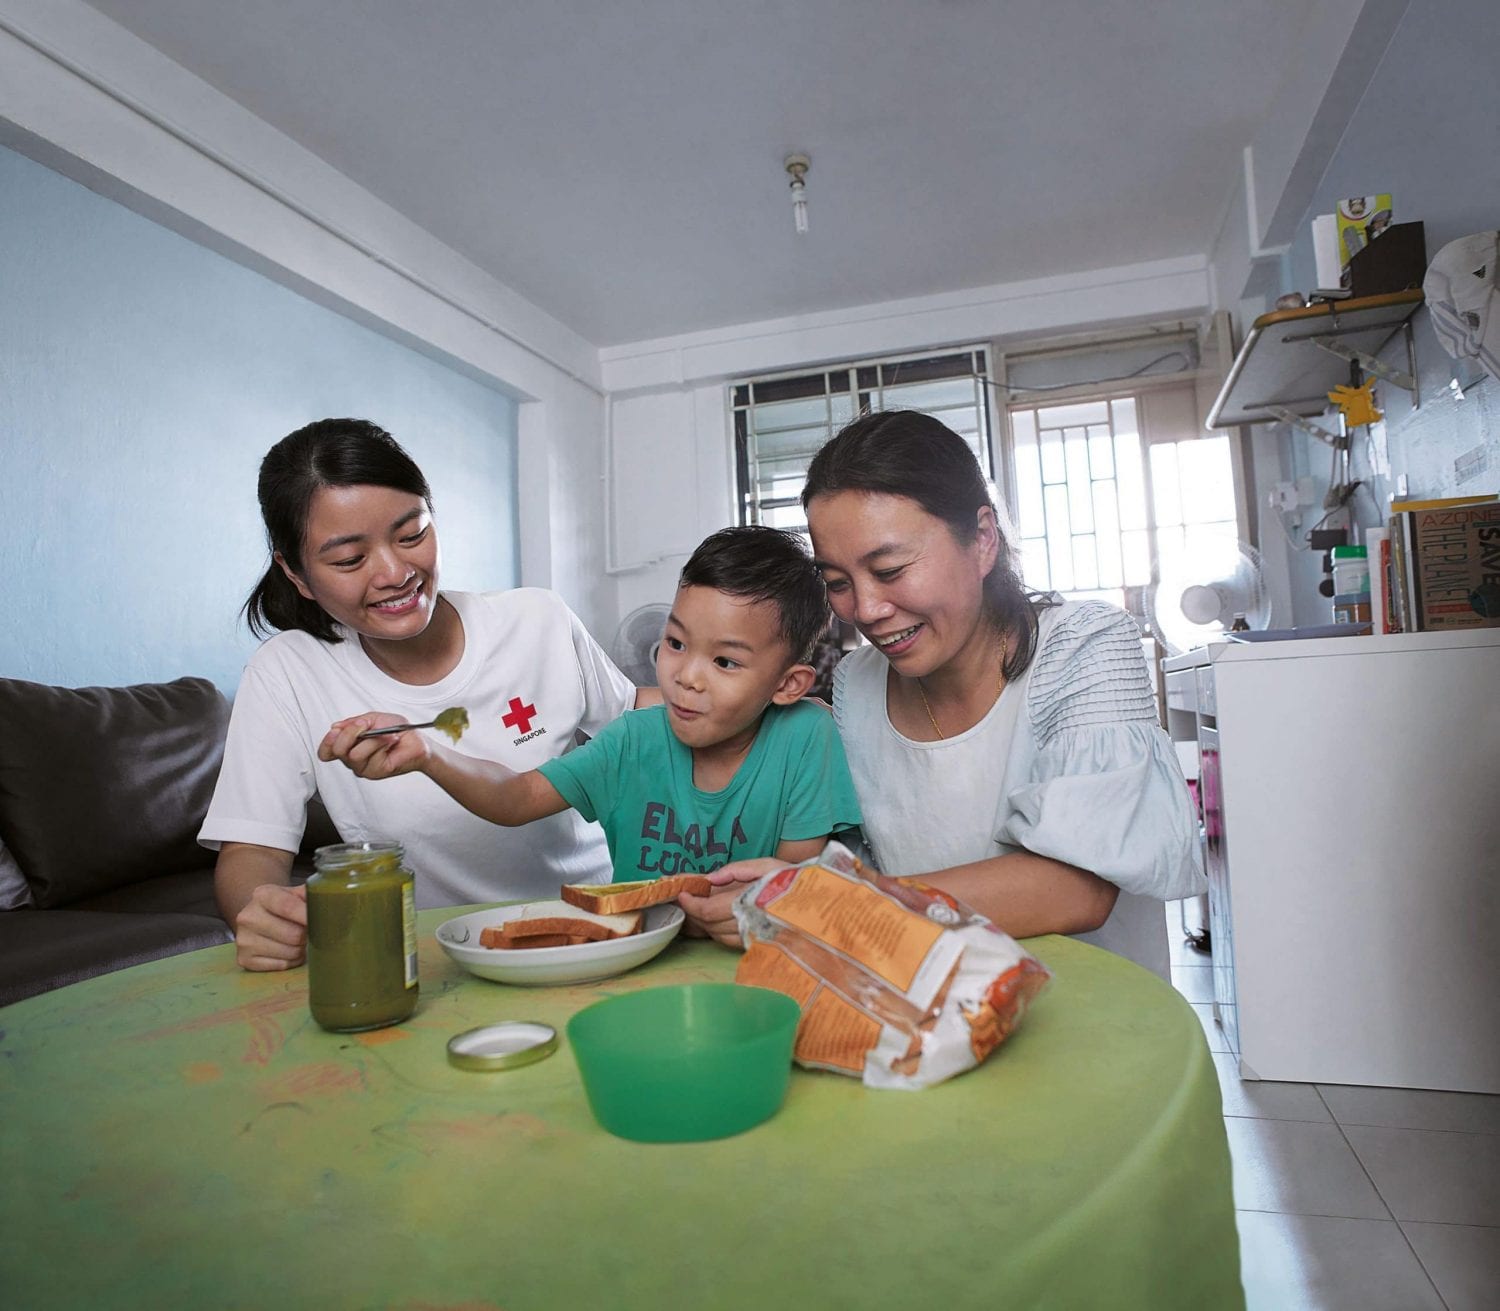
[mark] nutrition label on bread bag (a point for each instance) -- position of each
(836, 1033)
(854, 918)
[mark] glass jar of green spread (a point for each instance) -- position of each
(361, 937)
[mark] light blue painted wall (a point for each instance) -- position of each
(142, 377)
(1428, 132)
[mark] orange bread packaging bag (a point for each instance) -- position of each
(899, 983)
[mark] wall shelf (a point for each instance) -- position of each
(1292, 359)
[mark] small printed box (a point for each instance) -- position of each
(1361, 219)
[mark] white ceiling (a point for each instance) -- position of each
(619, 162)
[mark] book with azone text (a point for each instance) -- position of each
(1449, 553)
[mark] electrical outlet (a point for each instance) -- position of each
(1289, 497)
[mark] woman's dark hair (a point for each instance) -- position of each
(908, 453)
(328, 453)
(765, 564)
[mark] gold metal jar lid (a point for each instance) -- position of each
(505, 1046)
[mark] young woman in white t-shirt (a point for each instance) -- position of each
(352, 595)
(1004, 746)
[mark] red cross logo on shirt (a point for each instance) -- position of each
(520, 715)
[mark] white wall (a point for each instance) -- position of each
(1408, 107)
(671, 483)
(1427, 130)
(81, 95)
(561, 501)
(607, 528)
(1396, 81)
(667, 407)
(142, 378)
(672, 467)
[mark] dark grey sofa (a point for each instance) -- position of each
(102, 791)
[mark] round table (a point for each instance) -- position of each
(182, 1134)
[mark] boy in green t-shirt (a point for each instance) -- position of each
(733, 764)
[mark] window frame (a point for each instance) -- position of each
(740, 400)
(1188, 382)
(996, 400)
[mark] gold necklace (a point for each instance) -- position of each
(922, 692)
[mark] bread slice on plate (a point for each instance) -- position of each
(603, 898)
(496, 939)
(561, 925)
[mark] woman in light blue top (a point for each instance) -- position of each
(1004, 746)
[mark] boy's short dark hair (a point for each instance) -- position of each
(765, 564)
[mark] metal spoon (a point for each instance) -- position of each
(451, 721)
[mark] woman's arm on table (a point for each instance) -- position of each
(269, 917)
(1028, 895)
(1023, 894)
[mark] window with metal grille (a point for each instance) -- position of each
(781, 420)
(1113, 491)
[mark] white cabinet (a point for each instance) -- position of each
(1351, 797)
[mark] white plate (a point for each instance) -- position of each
(548, 965)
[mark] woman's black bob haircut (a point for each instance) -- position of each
(328, 453)
(908, 453)
(765, 564)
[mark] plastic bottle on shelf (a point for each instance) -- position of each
(1351, 585)
(1351, 570)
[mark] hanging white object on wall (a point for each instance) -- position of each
(1462, 288)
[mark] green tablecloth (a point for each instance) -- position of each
(181, 1134)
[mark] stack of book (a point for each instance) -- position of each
(1438, 565)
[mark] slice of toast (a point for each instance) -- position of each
(551, 918)
(494, 938)
(604, 898)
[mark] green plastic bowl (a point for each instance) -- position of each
(681, 1064)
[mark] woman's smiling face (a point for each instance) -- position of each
(901, 577)
(370, 559)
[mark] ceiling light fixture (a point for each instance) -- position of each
(796, 167)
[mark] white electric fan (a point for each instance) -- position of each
(634, 647)
(1216, 582)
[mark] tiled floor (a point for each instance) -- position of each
(1361, 1198)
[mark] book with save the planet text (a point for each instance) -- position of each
(1446, 562)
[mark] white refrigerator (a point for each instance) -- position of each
(1350, 790)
